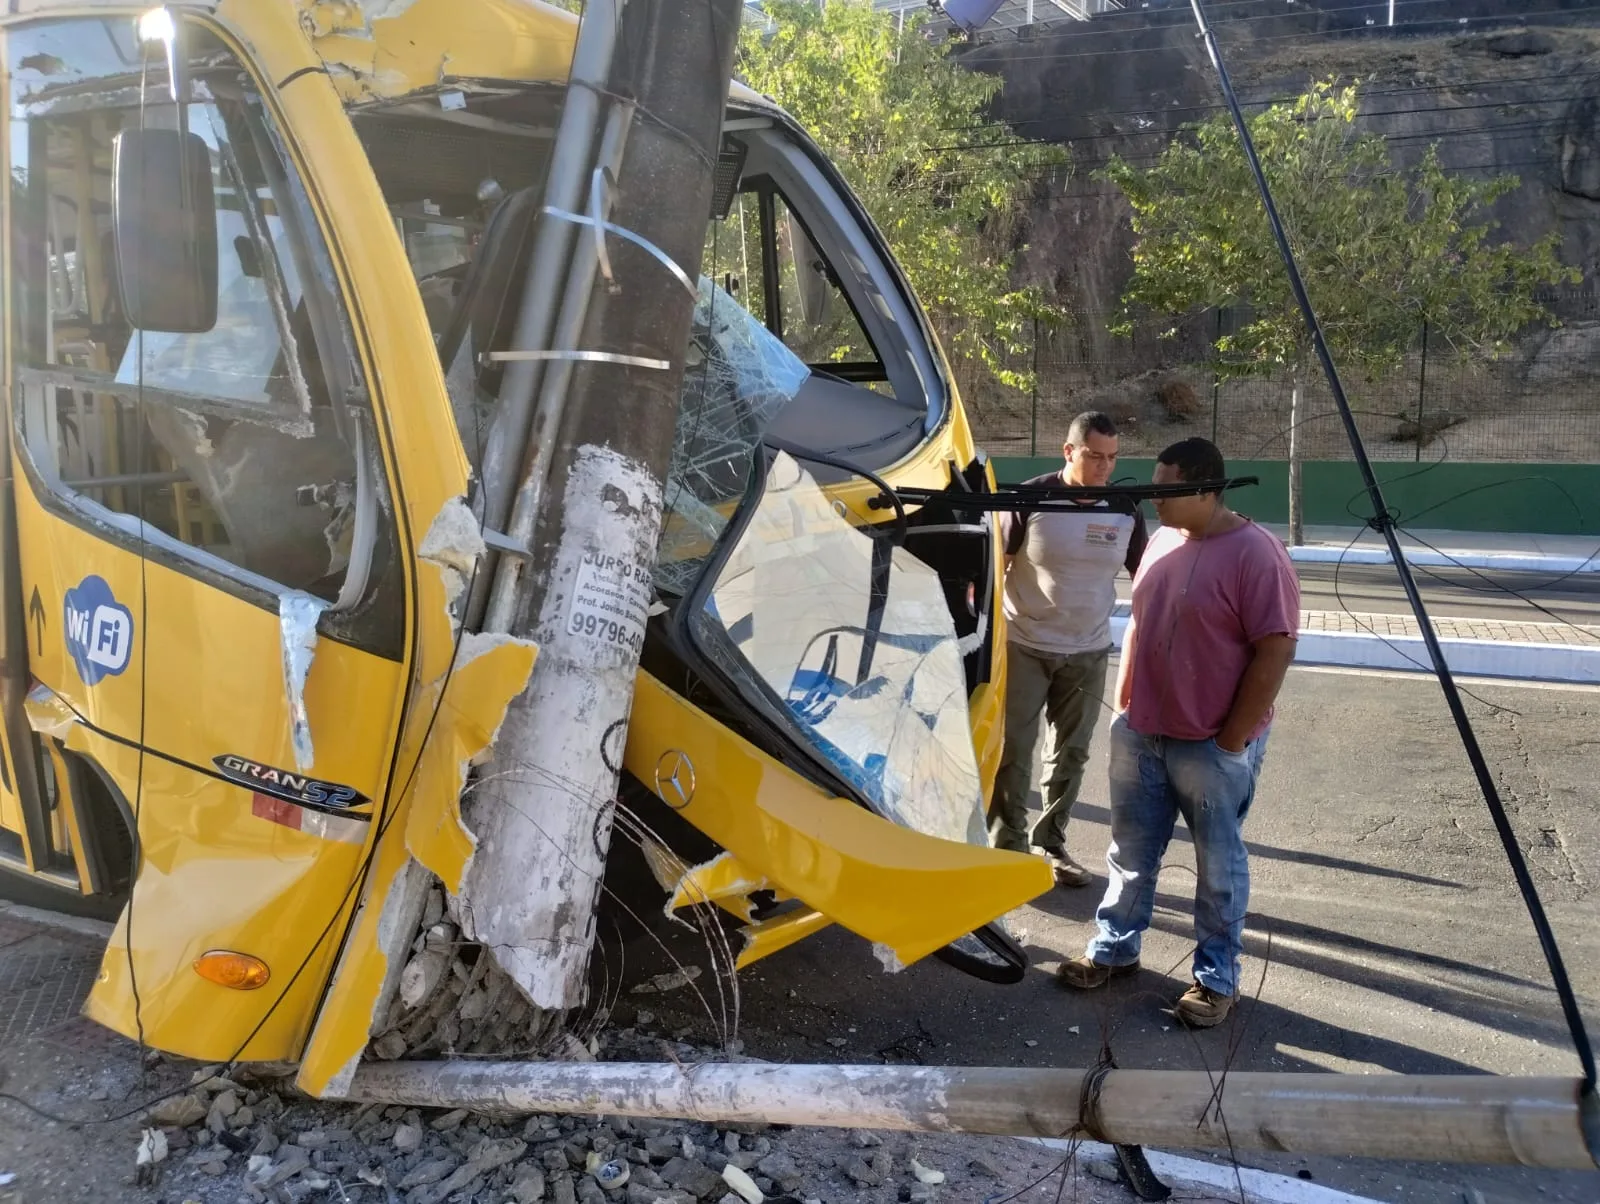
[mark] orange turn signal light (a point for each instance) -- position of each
(239, 971)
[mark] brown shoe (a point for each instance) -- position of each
(1067, 871)
(1085, 974)
(1201, 1007)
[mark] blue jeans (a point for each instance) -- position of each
(1154, 779)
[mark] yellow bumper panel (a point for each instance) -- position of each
(895, 887)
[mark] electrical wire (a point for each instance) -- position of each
(1071, 140)
(1562, 18)
(1463, 85)
(1384, 523)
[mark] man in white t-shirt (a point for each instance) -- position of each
(1061, 569)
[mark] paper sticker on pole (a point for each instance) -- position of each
(98, 629)
(610, 600)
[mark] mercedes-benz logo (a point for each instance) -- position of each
(675, 779)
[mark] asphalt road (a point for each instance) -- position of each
(1454, 593)
(1386, 934)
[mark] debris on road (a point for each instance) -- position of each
(264, 1143)
(672, 980)
(743, 1184)
(151, 1153)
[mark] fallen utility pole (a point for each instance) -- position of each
(1539, 1122)
(587, 505)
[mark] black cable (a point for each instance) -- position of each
(144, 614)
(1562, 18)
(1468, 85)
(1385, 525)
(1493, 586)
(1471, 131)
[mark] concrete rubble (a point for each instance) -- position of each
(277, 1147)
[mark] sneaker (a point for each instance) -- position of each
(1067, 871)
(1201, 1007)
(1086, 974)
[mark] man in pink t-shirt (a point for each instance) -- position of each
(1216, 607)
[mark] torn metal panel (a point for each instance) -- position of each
(490, 671)
(298, 615)
(452, 720)
(723, 880)
(909, 891)
(48, 713)
(453, 544)
(383, 49)
(766, 937)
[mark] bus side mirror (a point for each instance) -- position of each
(164, 217)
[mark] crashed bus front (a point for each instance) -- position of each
(243, 689)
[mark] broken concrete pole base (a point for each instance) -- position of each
(454, 999)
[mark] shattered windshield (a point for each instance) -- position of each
(850, 639)
(736, 378)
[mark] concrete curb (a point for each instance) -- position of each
(1519, 660)
(1260, 1187)
(98, 930)
(1578, 665)
(1504, 562)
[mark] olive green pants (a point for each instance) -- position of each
(1067, 692)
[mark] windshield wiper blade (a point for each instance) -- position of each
(1028, 498)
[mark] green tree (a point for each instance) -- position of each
(898, 116)
(1382, 251)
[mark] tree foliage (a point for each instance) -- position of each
(1381, 250)
(897, 116)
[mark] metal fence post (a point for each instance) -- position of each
(1422, 391)
(1033, 420)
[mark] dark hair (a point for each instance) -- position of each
(1196, 459)
(1090, 420)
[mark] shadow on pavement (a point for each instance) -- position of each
(1101, 815)
(1480, 1006)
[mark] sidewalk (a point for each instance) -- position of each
(1550, 652)
(1404, 626)
(1509, 552)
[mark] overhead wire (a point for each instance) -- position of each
(1464, 85)
(1383, 521)
(1562, 18)
(1107, 25)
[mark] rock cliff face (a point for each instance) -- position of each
(1461, 74)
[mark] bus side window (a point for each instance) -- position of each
(225, 422)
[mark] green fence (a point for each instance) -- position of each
(1546, 499)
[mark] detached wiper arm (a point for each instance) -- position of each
(1029, 498)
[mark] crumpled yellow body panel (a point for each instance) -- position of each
(390, 48)
(385, 49)
(909, 892)
(451, 721)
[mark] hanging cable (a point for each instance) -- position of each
(1383, 522)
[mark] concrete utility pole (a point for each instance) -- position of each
(588, 497)
(1543, 1122)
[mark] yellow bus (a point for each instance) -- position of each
(196, 508)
